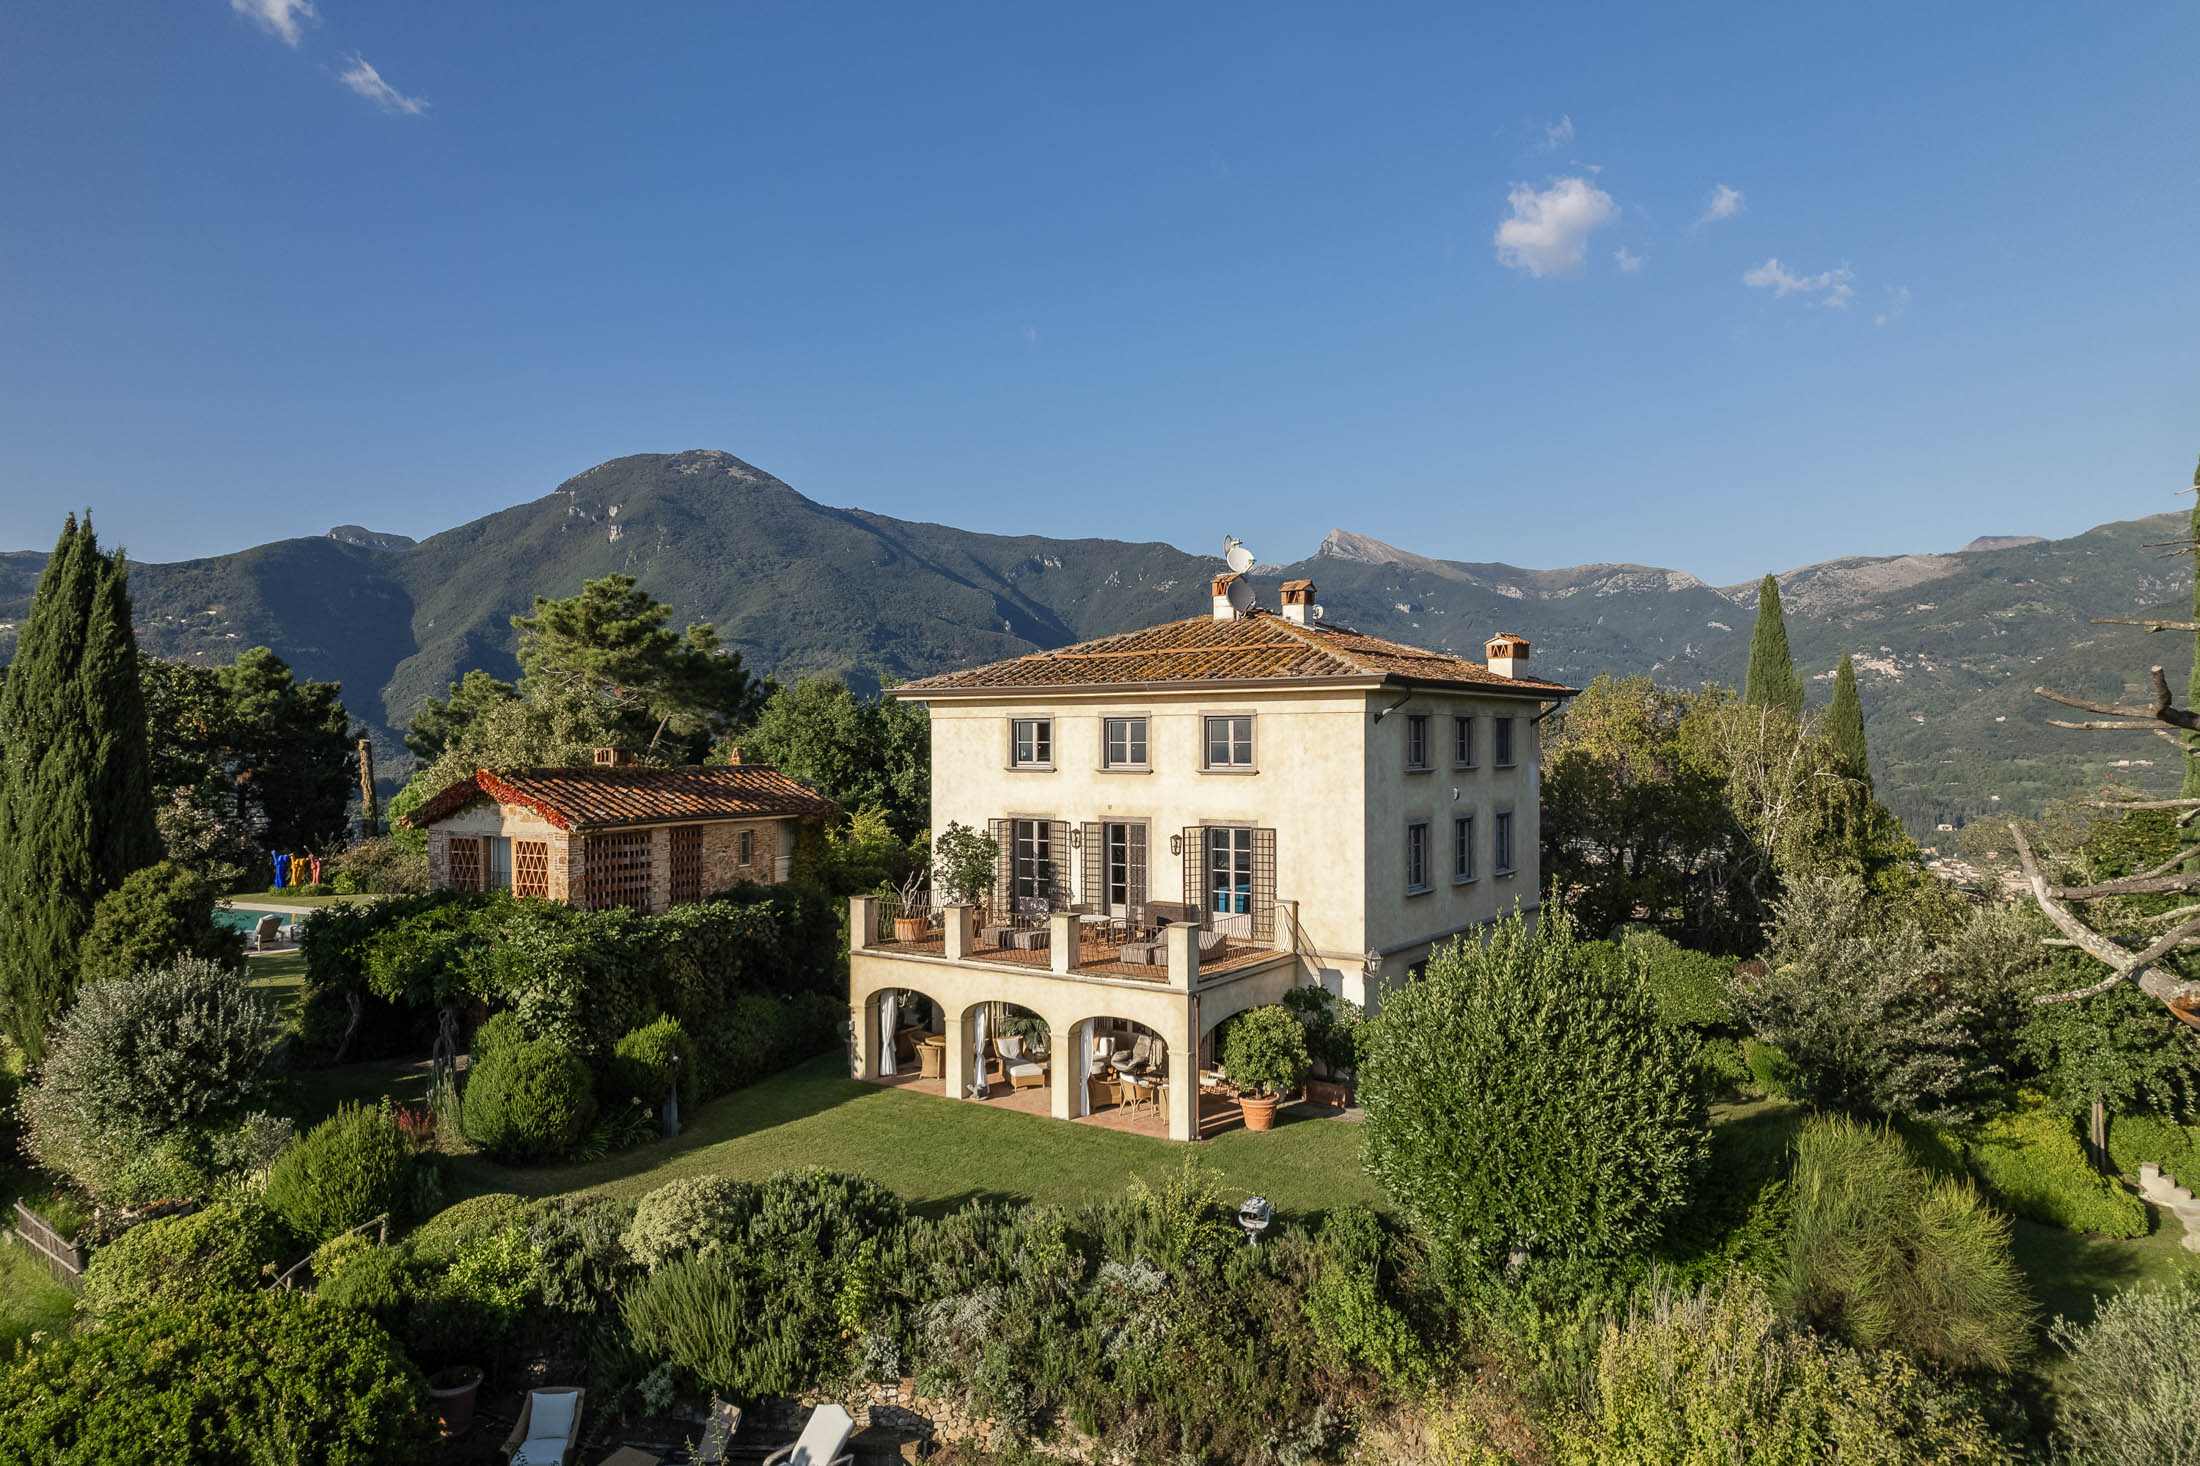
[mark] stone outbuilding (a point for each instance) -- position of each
(613, 834)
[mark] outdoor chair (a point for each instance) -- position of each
(823, 1441)
(1141, 1057)
(1023, 1071)
(718, 1433)
(267, 933)
(548, 1431)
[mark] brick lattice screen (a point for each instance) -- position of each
(685, 856)
(531, 867)
(466, 863)
(615, 870)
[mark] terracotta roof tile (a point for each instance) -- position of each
(591, 798)
(1261, 647)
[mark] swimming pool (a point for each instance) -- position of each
(245, 918)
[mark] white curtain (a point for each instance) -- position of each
(889, 1022)
(977, 1073)
(1080, 1043)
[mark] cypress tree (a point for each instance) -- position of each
(1845, 722)
(76, 798)
(2192, 690)
(1771, 681)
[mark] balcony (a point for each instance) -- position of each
(1164, 944)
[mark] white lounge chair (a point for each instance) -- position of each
(548, 1431)
(823, 1441)
(267, 933)
(1023, 1071)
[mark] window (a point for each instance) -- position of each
(1417, 856)
(1462, 849)
(1229, 870)
(1462, 743)
(1230, 742)
(1501, 827)
(615, 870)
(684, 863)
(1417, 740)
(1031, 861)
(748, 847)
(1418, 970)
(1126, 743)
(1504, 743)
(1034, 743)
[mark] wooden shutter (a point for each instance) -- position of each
(684, 853)
(1004, 865)
(1136, 851)
(530, 867)
(465, 862)
(1195, 874)
(1059, 890)
(1264, 886)
(1092, 839)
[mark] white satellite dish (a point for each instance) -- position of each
(1241, 595)
(1315, 613)
(1235, 555)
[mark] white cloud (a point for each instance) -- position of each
(1898, 306)
(1548, 232)
(1627, 262)
(367, 82)
(1833, 287)
(1725, 204)
(1554, 133)
(282, 18)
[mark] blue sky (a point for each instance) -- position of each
(1452, 276)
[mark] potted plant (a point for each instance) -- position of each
(963, 862)
(1332, 1042)
(451, 1398)
(910, 922)
(1265, 1055)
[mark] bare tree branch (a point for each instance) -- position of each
(2151, 626)
(2134, 723)
(2172, 863)
(2129, 886)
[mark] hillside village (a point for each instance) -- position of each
(681, 1062)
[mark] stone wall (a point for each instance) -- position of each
(722, 867)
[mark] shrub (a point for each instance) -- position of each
(1852, 1000)
(225, 1247)
(1349, 1308)
(497, 1031)
(1332, 1027)
(1769, 1069)
(2031, 1162)
(529, 1101)
(643, 1063)
(1265, 1051)
(2136, 1138)
(477, 1216)
(380, 865)
(264, 1376)
(1884, 1254)
(348, 1169)
(357, 1273)
(181, 1050)
(1517, 1098)
(2130, 1389)
(1688, 988)
(1691, 1377)
(689, 1217)
(157, 916)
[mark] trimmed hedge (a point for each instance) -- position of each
(529, 1101)
(642, 1067)
(224, 1248)
(348, 1169)
(2031, 1162)
(263, 1376)
(2136, 1138)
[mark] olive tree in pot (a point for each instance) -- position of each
(963, 862)
(911, 923)
(1265, 1054)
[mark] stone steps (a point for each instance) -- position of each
(2161, 1188)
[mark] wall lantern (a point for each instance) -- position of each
(1176, 844)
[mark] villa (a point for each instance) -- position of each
(612, 834)
(1192, 819)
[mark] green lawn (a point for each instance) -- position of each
(282, 977)
(2071, 1272)
(30, 1300)
(260, 899)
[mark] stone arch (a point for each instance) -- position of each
(871, 1013)
(1080, 1058)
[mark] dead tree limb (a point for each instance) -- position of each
(2151, 626)
(2124, 965)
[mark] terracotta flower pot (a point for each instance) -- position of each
(451, 1397)
(910, 928)
(1259, 1111)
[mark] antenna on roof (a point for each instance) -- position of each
(1235, 555)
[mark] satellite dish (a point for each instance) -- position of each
(1241, 594)
(1315, 613)
(1235, 555)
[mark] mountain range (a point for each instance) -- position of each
(1948, 646)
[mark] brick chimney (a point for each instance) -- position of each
(1508, 654)
(734, 757)
(1298, 601)
(614, 758)
(1225, 608)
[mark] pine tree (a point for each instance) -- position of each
(76, 799)
(1771, 681)
(1845, 722)
(2192, 694)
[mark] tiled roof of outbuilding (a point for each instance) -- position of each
(1261, 647)
(595, 798)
